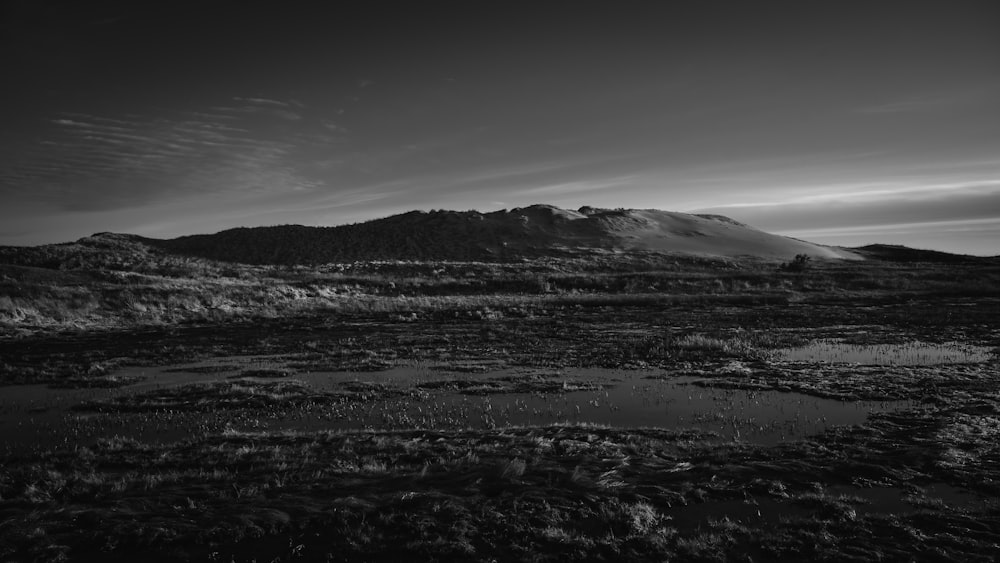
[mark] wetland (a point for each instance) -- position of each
(647, 409)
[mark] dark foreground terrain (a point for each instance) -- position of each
(607, 407)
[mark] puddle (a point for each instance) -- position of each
(761, 417)
(751, 512)
(895, 500)
(908, 354)
(35, 416)
(30, 414)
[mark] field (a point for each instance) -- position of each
(606, 407)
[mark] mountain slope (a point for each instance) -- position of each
(522, 232)
(712, 235)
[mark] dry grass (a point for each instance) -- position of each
(584, 492)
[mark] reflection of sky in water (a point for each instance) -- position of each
(36, 416)
(909, 354)
(765, 417)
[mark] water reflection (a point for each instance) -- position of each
(35, 417)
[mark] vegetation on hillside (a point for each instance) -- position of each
(120, 281)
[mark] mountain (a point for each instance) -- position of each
(538, 230)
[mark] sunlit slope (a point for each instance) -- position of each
(713, 235)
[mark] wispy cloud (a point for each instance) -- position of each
(873, 192)
(955, 226)
(274, 108)
(332, 125)
(926, 102)
(263, 102)
(576, 187)
(963, 236)
(98, 161)
(514, 171)
(906, 205)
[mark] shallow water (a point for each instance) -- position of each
(749, 512)
(909, 354)
(36, 417)
(762, 417)
(885, 500)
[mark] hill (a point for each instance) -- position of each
(538, 256)
(538, 230)
(501, 236)
(899, 253)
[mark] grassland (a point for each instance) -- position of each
(918, 482)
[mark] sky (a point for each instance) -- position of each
(844, 123)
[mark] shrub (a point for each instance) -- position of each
(799, 264)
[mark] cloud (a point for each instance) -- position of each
(879, 191)
(264, 106)
(91, 161)
(513, 172)
(886, 203)
(961, 216)
(575, 187)
(290, 115)
(953, 226)
(263, 102)
(902, 106)
(927, 102)
(333, 126)
(961, 236)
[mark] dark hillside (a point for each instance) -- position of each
(898, 253)
(439, 235)
(538, 230)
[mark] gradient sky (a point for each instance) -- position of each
(836, 122)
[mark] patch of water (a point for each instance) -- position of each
(38, 417)
(909, 354)
(751, 512)
(895, 500)
(32, 415)
(761, 417)
(405, 376)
